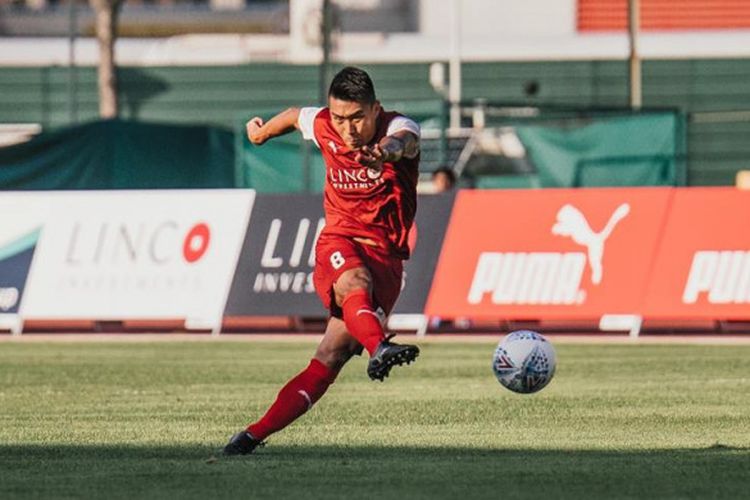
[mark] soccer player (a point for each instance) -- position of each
(372, 159)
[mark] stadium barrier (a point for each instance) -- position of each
(702, 268)
(200, 259)
(274, 273)
(20, 230)
(123, 255)
(639, 253)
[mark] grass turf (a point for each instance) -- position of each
(144, 420)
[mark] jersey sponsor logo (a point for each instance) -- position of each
(352, 179)
(722, 276)
(374, 173)
(546, 277)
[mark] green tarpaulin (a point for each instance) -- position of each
(283, 165)
(116, 154)
(636, 150)
(632, 149)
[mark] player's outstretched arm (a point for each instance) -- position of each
(401, 144)
(259, 131)
(390, 149)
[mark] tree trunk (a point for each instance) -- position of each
(106, 33)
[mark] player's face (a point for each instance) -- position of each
(355, 122)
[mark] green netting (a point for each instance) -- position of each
(116, 154)
(282, 165)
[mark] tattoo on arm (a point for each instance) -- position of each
(393, 147)
(402, 144)
(411, 145)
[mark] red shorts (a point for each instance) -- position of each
(335, 254)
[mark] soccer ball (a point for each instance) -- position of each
(524, 361)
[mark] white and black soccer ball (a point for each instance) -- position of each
(524, 361)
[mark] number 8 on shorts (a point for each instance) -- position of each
(337, 260)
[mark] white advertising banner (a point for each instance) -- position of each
(113, 255)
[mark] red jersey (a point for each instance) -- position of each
(362, 202)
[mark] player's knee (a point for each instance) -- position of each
(354, 279)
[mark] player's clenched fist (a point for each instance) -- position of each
(253, 130)
(371, 156)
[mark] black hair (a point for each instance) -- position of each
(447, 171)
(352, 84)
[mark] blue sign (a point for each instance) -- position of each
(15, 262)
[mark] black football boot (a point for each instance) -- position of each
(242, 443)
(388, 355)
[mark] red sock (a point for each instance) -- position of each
(294, 399)
(361, 321)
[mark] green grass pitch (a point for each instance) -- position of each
(143, 420)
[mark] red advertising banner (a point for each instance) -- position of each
(702, 269)
(553, 253)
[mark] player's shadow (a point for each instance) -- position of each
(284, 471)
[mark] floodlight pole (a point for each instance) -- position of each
(454, 70)
(72, 32)
(634, 21)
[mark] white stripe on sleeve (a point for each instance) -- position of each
(402, 123)
(306, 122)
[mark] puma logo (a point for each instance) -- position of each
(573, 224)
